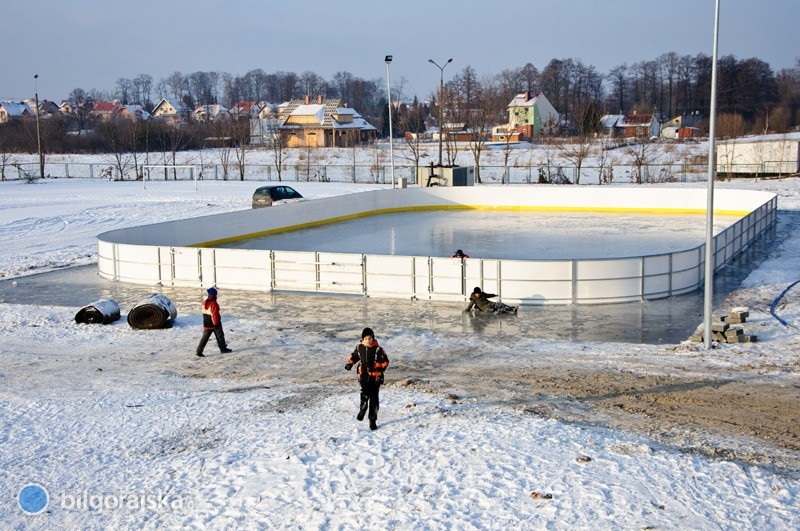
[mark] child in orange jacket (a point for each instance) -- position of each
(212, 323)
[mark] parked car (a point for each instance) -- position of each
(275, 194)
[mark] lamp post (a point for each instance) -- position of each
(388, 60)
(38, 129)
(712, 174)
(441, 91)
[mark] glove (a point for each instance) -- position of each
(348, 366)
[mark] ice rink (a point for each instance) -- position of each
(499, 235)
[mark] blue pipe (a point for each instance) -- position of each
(776, 301)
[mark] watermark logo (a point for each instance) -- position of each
(160, 501)
(33, 498)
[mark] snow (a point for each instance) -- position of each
(128, 429)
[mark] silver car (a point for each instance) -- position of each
(275, 194)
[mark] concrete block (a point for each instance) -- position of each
(743, 312)
(737, 331)
(719, 327)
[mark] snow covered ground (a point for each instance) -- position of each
(127, 429)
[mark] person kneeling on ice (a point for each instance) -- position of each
(373, 361)
(212, 323)
(480, 300)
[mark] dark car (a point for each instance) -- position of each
(275, 194)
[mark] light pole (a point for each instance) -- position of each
(38, 129)
(388, 60)
(712, 175)
(441, 91)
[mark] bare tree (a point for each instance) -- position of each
(143, 86)
(83, 106)
(116, 137)
(450, 119)
(730, 126)
(641, 154)
(5, 144)
(175, 83)
(240, 135)
(486, 111)
(580, 147)
(125, 89)
(412, 124)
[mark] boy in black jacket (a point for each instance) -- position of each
(373, 361)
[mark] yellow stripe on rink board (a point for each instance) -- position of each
(523, 208)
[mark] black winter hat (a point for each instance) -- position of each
(367, 332)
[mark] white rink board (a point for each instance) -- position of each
(186, 252)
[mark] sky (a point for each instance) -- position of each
(91, 43)
(127, 429)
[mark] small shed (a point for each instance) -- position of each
(777, 154)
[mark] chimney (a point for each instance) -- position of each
(527, 95)
(319, 99)
(308, 99)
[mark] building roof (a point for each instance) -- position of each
(105, 106)
(610, 120)
(633, 120)
(14, 108)
(323, 114)
(525, 99)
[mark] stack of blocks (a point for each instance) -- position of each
(725, 329)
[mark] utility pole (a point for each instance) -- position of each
(441, 92)
(388, 60)
(38, 128)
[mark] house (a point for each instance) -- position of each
(46, 107)
(11, 110)
(529, 115)
(211, 113)
(172, 111)
(68, 107)
(326, 123)
(608, 124)
(638, 126)
(134, 113)
(266, 110)
(249, 109)
(105, 110)
(682, 126)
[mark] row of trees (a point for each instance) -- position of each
(671, 84)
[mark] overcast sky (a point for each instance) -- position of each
(92, 43)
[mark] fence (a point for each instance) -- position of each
(164, 254)
(382, 174)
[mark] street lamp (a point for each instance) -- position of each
(441, 91)
(38, 129)
(388, 60)
(712, 175)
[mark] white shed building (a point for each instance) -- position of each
(760, 155)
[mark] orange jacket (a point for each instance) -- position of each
(373, 362)
(211, 317)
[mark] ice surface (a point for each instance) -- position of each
(498, 235)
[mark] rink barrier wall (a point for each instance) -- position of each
(184, 253)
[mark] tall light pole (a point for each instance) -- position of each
(38, 129)
(708, 304)
(388, 60)
(441, 91)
